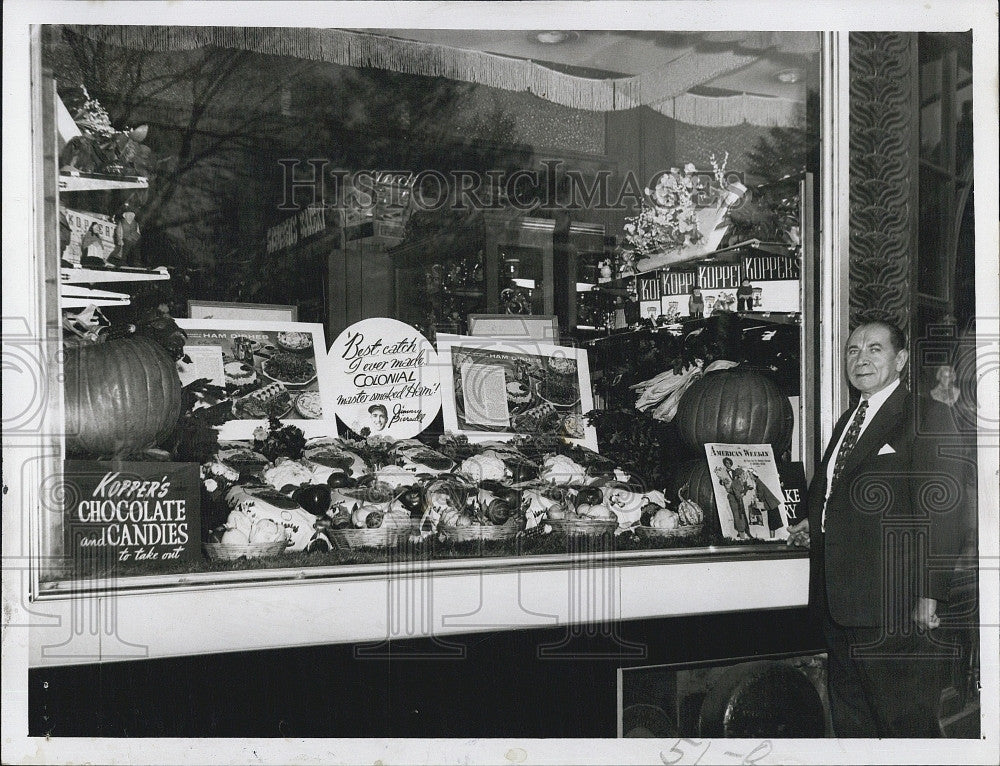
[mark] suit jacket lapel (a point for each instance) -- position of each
(818, 488)
(876, 433)
(837, 431)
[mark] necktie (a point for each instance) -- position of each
(850, 439)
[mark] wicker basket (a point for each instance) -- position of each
(505, 531)
(684, 530)
(590, 527)
(233, 551)
(379, 537)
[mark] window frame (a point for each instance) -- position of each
(156, 603)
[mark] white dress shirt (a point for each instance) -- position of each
(875, 402)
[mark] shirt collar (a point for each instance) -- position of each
(877, 399)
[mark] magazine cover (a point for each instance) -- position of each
(747, 491)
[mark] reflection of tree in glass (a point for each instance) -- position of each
(224, 119)
(213, 116)
(777, 162)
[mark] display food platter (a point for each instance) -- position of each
(309, 405)
(536, 418)
(519, 396)
(295, 341)
(572, 425)
(561, 395)
(288, 369)
(684, 530)
(272, 400)
(561, 365)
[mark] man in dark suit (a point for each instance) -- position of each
(883, 530)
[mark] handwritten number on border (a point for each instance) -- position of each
(679, 753)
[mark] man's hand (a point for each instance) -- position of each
(925, 614)
(798, 534)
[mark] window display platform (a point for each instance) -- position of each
(210, 612)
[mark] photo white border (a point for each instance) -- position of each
(530, 326)
(843, 16)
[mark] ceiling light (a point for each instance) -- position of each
(789, 76)
(555, 36)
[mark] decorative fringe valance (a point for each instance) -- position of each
(662, 88)
(727, 111)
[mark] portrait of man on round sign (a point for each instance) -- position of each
(387, 379)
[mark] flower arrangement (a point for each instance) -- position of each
(375, 449)
(667, 219)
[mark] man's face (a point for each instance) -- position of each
(870, 360)
(379, 418)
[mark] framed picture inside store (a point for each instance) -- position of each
(198, 309)
(495, 388)
(544, 327)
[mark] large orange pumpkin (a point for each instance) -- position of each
(735, 406)
(122, 397)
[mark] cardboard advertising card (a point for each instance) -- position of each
(266, 369)
(498, 388)
(136, 511)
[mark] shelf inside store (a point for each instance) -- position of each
(731, 254)
(76, 297)
(69, 276)
(74, 181)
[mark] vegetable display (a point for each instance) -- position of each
(375, 492)
(693, 482)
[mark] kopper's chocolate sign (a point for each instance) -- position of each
(132, 511)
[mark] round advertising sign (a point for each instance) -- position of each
(387, 378)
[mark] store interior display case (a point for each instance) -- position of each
(498, 263)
